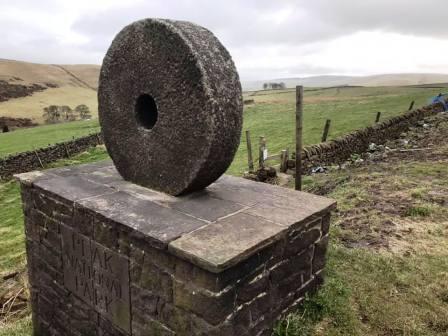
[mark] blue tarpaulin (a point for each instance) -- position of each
(440, 99)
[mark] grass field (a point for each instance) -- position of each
(42, 136)
(272, 115)
(387, 270)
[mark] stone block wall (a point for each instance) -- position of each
(28, 161)
(340, 149)
(245, 299)
(97, 269)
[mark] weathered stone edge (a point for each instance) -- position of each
(218, 268)
(31, 177)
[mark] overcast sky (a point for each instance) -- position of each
(267, 39)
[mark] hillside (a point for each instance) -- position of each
(376, 80)
(32, 106)
(60, 75)
(31, 87)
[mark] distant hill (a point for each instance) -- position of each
(34, 86)
(376, 80)
(82, 75)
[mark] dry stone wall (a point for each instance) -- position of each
(339, 150)
(32, 160)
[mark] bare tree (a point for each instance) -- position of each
(274, 86)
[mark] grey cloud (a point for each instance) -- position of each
(245, 27)
(235, 23)
(416, 17)
(243, 23)
(32, 5)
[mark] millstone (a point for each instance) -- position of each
(170, 105)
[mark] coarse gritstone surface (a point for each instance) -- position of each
(170, 105)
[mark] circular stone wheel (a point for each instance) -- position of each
(170, 105)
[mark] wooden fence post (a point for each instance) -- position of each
(299, 129)
(412, 105)
(378, 116)
(250, 160)
(66, 150)
(38, 158)
(284, 161)
(326, 129)
(261, 151)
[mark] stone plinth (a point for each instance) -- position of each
(108, 257)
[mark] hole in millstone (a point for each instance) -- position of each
(146, 111)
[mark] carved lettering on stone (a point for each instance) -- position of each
(97, 275)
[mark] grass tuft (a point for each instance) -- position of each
(418, 211)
